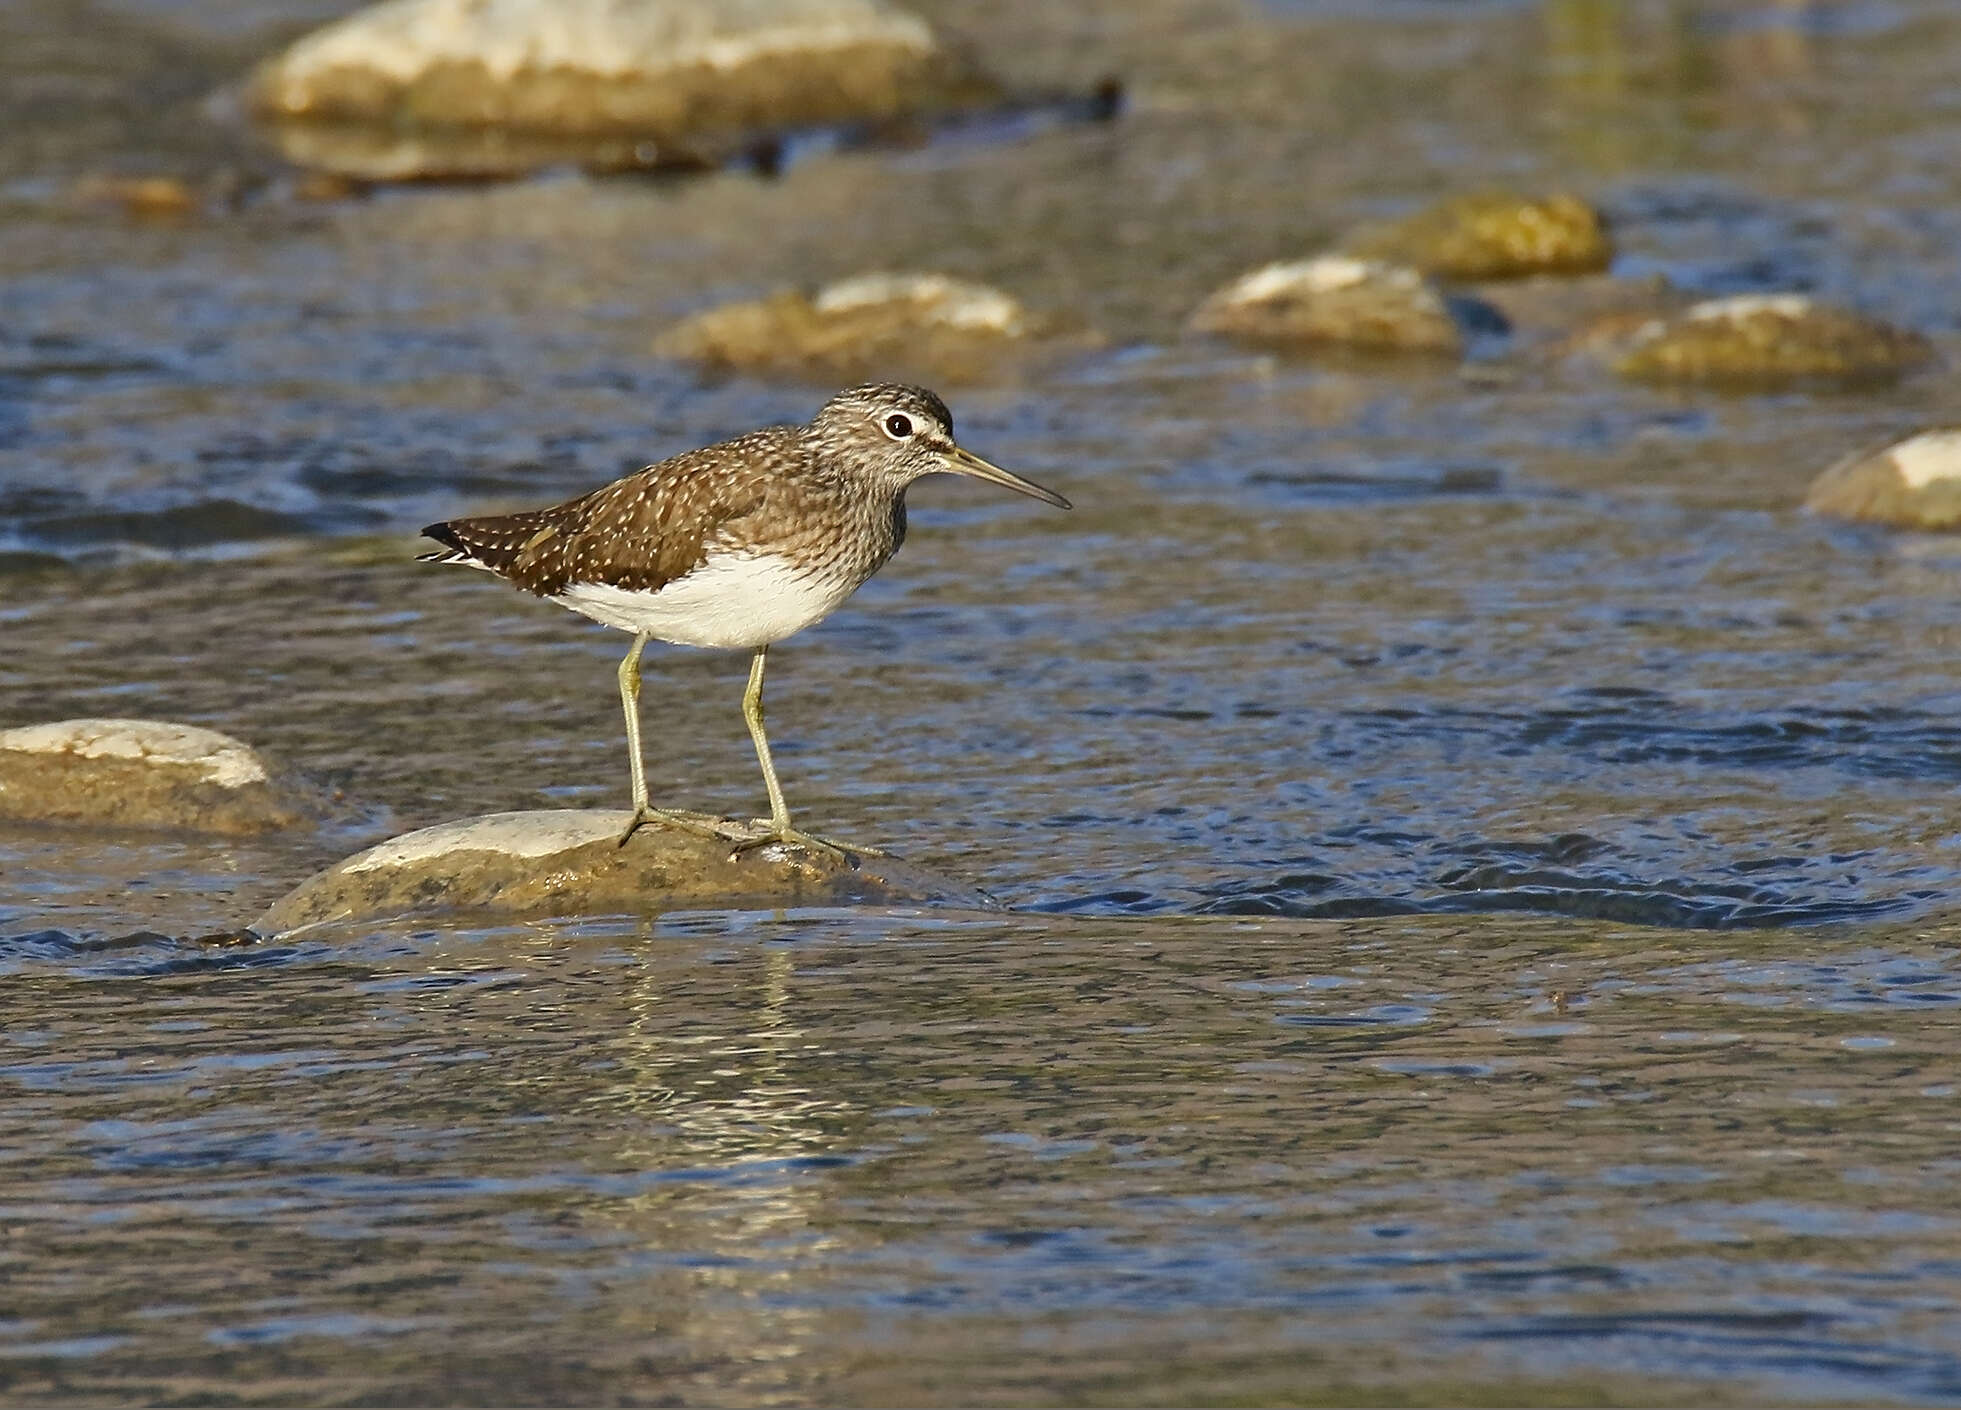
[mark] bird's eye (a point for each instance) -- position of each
(898, 427)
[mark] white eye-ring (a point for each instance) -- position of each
(898, 426)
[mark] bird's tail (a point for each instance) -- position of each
(492, 543)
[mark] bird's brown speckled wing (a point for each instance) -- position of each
(639, 533)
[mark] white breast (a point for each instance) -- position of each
(731, 601)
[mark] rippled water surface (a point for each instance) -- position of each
(1481, 858)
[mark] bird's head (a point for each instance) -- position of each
(894, 434)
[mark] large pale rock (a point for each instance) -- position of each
(1762, 340)
(1912, 484)
(916, 327)
(141, 773)
(1493, 235)
(419, 88)
(1334, 300)
(569, 862)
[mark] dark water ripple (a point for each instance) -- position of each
(1656, 868)
(299, 487)
(1466, 879)
(1625, 726)
(144, 954)
(1721, 1343)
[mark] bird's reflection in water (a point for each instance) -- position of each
(730, 1220)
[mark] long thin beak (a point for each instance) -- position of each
(965, 462)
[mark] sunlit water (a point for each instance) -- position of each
(1481, 856)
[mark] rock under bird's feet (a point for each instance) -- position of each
(687, 822)
(770, 835)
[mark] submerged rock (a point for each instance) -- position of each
(139, 197)
(1334, 300)
(421, 88)
(1493, 235)
(922, 327)
(140, 773)
(1912, 484)
(569, 862)
(1762, 339)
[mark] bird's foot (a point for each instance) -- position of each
(687, 822)
(846, 852)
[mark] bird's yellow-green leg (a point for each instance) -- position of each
(779, 811)
(630, 702)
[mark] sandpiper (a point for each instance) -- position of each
(736, 545)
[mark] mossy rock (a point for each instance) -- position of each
(143, 774)
(1767, 340)
(1911, 484)
(1334, 301)
(1493, 235)
(919, 327)
(570, 862)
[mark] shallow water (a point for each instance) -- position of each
(1482, 857)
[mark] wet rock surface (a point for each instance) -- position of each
(1493, 235)
(422, 88)
(1761, 339)
(569, 862)
(920, 327)
(141, 773)
(1912, 484)
(1335, 301)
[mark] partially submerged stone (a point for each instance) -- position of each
(1493, 235)
(421, 88)
(140, 773)
(569, 862)
(139, 197)
(1334, 300)
(897, 326)
(1912, 484)
(1766, 339)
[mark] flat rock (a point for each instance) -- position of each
(1760, 340)
(1493, 235)
(141, 773)
(569, 862)
(1911, 484)
(1334, 301)
(412, 89)
(894, 326)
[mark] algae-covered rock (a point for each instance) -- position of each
(1334, 300)
(1766, 340)
(1912, 484)
(141, 773)
(569, 862)
(1493, 235)
(420, 88)
(897, 326)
